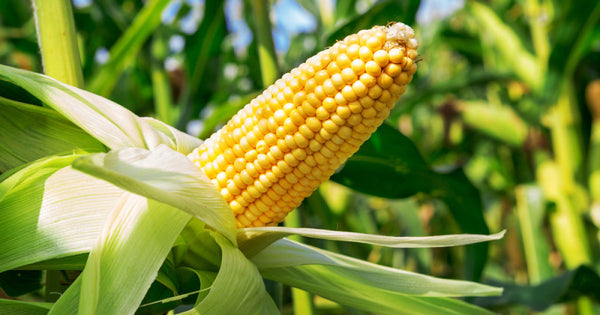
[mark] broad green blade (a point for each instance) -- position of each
(286, 253)
(13, 307)
(238, 287)
(105, 120)
(364, 285)
(348, 289)
(253, 240)
(201, 250)
(164, 175)
(134, 242)
(49, 210)
(29, 132)
(572, 45)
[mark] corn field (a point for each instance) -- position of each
(299, 157)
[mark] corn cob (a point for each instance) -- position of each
(282, 145)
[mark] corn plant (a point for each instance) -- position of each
(114, 196)
(108, 207)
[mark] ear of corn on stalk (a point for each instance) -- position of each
(282, 145)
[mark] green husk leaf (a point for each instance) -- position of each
(108, 122)
(286, 253)
(114, 281)
(182, 142)
(253, 240)
(14, 307)
(29, 132)
(239, 283)
(51, 211)
(364, 285)
(164, 175)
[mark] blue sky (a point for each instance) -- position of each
(289, 18)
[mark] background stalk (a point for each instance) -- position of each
(568, 228)
(302, 300)
(266, 49)
(529, 206)
(57, 39)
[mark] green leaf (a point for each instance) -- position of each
(364, 285)
(574, 39)
(124, 262)
(502, 39)
(126, 49)
(203, 51)
(108, 122)
(582, 281)
(389, 165)
(201, 250)
(253, 240)
(51, 211)
(239, 283)
(28, 133)
(23, 308)
(164, 175)
(182, 142)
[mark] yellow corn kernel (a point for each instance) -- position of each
(284, 143)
